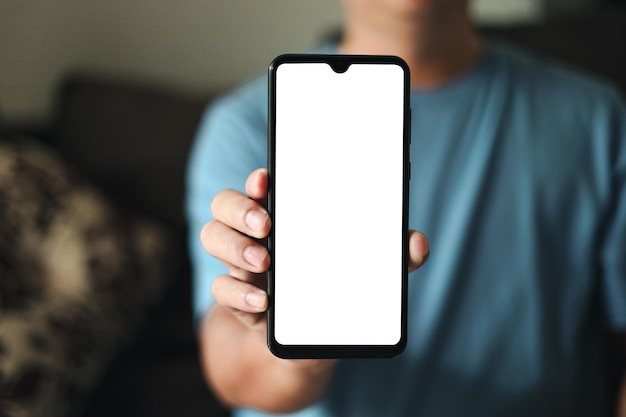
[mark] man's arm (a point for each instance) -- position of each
(243, 372)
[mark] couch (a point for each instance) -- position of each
(131, 139)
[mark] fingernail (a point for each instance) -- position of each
(256, 219)
(254, 255)
(256, 299)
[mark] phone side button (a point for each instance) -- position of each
(410, 170)
(410, 125)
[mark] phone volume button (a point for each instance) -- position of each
(409, 170)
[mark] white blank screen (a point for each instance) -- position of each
(338, 204)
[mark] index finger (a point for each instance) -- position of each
(241, 213)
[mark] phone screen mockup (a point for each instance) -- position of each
(339, 171)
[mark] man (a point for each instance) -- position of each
(519, 182)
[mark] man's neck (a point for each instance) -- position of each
(436, 52)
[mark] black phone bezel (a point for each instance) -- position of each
(339, 63)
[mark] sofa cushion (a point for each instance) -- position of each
(78, 276)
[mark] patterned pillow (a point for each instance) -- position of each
(77, 277)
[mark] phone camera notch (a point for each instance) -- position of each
(339, 65)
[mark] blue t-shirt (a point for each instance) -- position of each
(519, 181)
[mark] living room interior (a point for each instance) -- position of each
(108, 96)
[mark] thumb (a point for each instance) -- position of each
(418, 249)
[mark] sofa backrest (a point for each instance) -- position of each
(130, 139)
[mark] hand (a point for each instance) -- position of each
(234, 237)
(240, 367)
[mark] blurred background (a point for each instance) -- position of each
(112, 92)
(193, 44)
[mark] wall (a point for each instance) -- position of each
(191, 44)
(507, 11)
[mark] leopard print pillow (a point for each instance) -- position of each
(77, 277)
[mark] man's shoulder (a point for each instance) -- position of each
(249, 99)
(551, 79)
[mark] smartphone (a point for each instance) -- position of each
(339, 170)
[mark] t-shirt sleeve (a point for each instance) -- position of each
(613, 255)
(229, 145)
